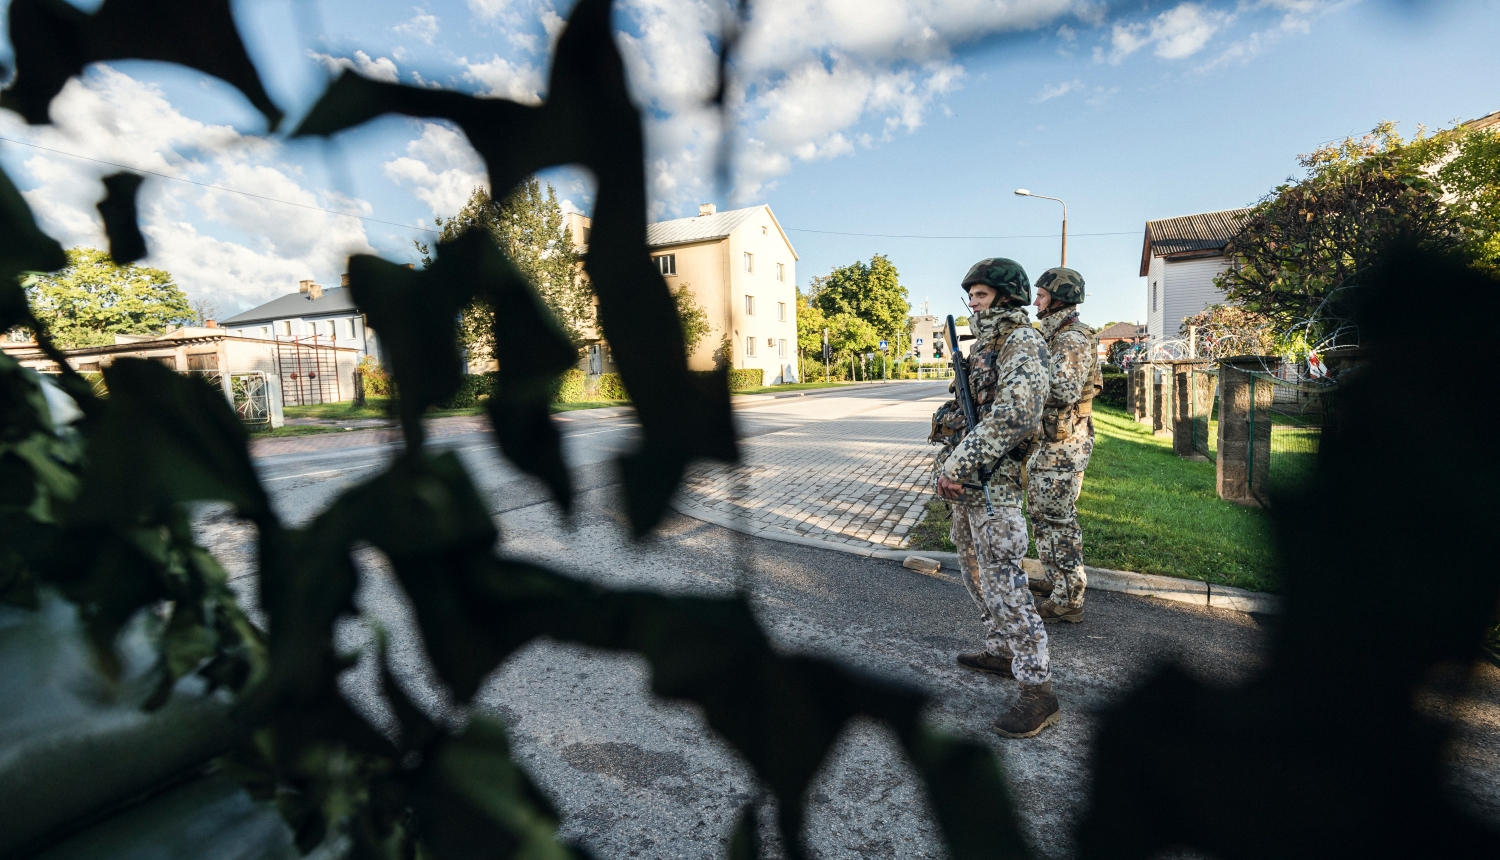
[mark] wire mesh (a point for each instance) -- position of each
(1295, 413)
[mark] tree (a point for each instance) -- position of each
(1221, 331)
(810, 324)
(871, 292)
(694, 319)
(1306, 245)
(92, 299)
(529, 226)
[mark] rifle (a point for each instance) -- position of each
(966, 402)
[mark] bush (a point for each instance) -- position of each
(609, 387)
(750, 377)
(1114, 387)
(569, 386)
(377, 381)
(474, 390)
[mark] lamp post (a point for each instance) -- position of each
(1021, 192)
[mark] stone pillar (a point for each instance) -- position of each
(1236, 442)
(1184, 404)
(1161, 399)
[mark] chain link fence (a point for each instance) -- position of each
(1295, 413)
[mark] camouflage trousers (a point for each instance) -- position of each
(1052, 502)
(990, 549)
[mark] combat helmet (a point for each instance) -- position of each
(1005, 275)
(1065, 285)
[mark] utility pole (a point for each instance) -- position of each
(1021, 192)
(825, 356)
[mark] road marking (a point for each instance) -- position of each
(324, 472)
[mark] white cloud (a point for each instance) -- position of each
(501, 78)
(1296, 19)
(440, 167)
(488, 10)
(379, 68)
(1176, 33)
(422, 26)
(238, 250)
(1052, 91)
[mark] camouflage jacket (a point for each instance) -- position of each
(1007, 367)
(1067, 437)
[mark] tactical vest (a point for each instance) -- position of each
(1057, 421)
(948, 424)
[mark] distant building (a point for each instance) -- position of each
(1180, 258)
(928, 338)
(742, 270)
(312, 315)
(1108, 337)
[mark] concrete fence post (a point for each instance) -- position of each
(1184, 405)
(1161, 399)
(1235, 392)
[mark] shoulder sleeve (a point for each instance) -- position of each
(1016, 412)
(1070, 365)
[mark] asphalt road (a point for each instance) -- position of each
(638, 777)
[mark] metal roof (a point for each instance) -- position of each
(704, 228)
(1122, 330)
(1190, 235)
(333, 301)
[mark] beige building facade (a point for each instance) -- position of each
(742, 270)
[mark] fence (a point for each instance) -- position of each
(1203, 411)
(308, 370)
(934, 371)
(1295, 413)
(248, 391)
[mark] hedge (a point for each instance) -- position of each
(748, 377)
(570, 386)
(472, 391)
(1114, 388)
(609, 387)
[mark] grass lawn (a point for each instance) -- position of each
(379, 407)
(1147, 510)
(795, 386)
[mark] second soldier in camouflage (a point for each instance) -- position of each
(1054, 476)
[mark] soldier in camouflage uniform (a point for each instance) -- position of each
(1054, 475)
(1007, 369)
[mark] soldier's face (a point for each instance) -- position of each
(981, 296)
(1043, 299)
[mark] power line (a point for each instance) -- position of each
(905, 236)
(216, 187)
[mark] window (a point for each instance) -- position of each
(1153, 296)
(333, 332)
(763, 232)
(781, 311)
(781, 272)
(749, 262)
(349, 328)
(781, 348)
(749, 346)
(749, 306)
(286, 326)
(265, 332)
(667, 264)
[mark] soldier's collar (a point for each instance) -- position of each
(1053, 323)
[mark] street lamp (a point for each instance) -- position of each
(1021, 192)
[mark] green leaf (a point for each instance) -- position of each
(54, 41)
(25, 249)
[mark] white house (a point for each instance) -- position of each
(1179, 260)
(312, 315)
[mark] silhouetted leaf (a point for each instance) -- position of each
(54, 41)
(126, 244)
(587, 119)
(416, 316)
(969, 797)
(25, 249)
(166, 438)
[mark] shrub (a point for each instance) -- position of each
(609, 387)
(569, 386)
(377, 381)
(748, 377)
(1114, 387)
(474, 389)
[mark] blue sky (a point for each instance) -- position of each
(902, 117)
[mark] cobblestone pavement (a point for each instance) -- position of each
(860, 480)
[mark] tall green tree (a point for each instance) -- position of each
(1308, 243)
(91, 300)
(872, 292)
(530, 227)
(692, 316)
(810, 325)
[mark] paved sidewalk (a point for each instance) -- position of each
(860, 481)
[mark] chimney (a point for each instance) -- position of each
(344, 279)
(211, 323)
(706, 209)
(314, 291)
(304, 286)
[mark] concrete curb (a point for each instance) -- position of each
(1123, 581)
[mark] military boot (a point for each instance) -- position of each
(1041, 587)
(1035, 710)
(984, 661)
(1052, 613)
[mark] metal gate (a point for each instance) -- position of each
(309, 371)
